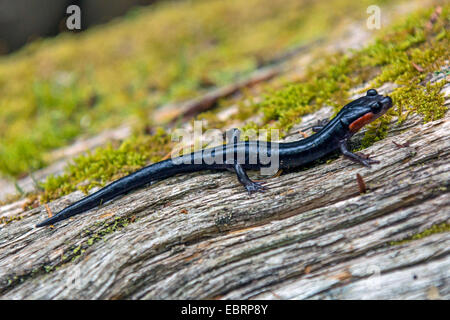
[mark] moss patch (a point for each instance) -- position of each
(6, 220)
(57, 89)
(107, 163)
(404, 54)
(95, 234)
(389, 59)
(438, 228)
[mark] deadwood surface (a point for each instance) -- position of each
(311, 236)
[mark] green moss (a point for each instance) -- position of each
(376, 131)
(438, 228)
(211, 118)
(78, 84)
(13, 280)
(96, 233)
(426, 101)
(76, 250)
(389, 59)
(327, 83)
(248, 130)
(6, 220)
(107, 163)
(404, 54)
(48, 269)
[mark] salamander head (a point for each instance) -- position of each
(364, 110)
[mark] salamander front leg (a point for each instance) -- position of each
(366, 161)
(320, 125)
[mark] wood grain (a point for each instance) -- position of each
(200, 236)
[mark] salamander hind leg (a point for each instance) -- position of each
(249, 185)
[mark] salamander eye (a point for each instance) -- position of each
(376, 107)
(372, 92)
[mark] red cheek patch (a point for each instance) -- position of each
(361, 122)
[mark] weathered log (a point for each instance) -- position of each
(311, 236)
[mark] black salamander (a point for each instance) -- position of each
(240, 156)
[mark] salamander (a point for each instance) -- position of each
(240, 156)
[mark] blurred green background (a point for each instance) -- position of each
(54, 90)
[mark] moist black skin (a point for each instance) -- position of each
(329, 137)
